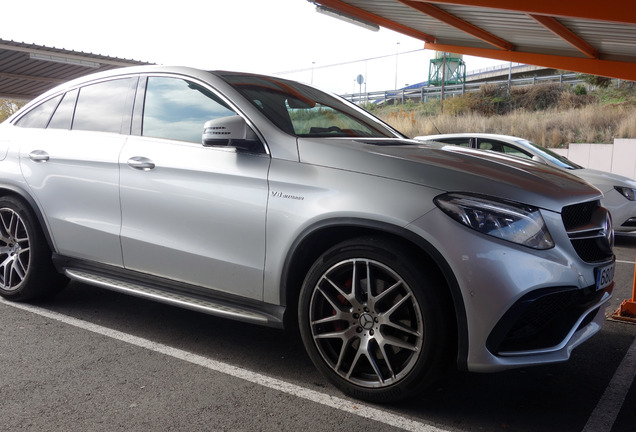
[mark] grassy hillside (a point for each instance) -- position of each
(548, 114)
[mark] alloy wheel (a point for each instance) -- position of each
(14, 250)
(366, 323)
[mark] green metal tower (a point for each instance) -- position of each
(447, 67)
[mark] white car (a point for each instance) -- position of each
(619, 192)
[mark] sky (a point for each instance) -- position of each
(286, 38)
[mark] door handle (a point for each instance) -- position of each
(39, 156)
(141, 163)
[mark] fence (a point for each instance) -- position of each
(423, 93)
(618, 158)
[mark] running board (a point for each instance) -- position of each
(208, 306)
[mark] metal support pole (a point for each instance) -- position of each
(441, 100)
(509, 76)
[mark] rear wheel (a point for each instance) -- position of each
(374, 322)
(26, 270)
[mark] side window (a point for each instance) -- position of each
(463, 142)
(104, 107)
(502, 147)
(514, 151)
(39, 116)
(322, 120)
(485, 144)
(177, 109)
(64, 112)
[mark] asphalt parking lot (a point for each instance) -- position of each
(94, 360)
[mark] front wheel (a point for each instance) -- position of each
(374, 323)
(26, 270)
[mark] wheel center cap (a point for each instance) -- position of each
(366, 321)
(14, 248)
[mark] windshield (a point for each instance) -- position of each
(553, 157)
(305, 111)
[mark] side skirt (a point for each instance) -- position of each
(171, 292)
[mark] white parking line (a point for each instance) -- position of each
(613, 399)
(350, 407)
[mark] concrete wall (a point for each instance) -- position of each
(619, 158)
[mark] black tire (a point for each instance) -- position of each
(26, 269)
(382, 344)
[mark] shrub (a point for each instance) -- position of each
(596, 81)
(459, 105)
(580, 90)
(570, 99)
(492, 99)
(537, 97)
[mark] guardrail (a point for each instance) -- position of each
(497, 68)
(423, 94)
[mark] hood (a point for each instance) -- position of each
(603, 180)
(449, 168)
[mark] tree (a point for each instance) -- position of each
(596, 81)
(8, 107)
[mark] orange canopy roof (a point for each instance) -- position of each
(579, 36)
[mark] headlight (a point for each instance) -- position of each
(629, 193)
(509, 221)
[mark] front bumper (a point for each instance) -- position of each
(543, 320)
(623, 212)
(522, 306)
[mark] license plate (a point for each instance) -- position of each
(604, 276)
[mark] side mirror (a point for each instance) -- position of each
(231, 131)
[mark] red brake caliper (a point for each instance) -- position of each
(338, 326)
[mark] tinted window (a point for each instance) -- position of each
(553, 157)
(103, 107)
(502, 147)
(514, 151)
(463, 141)
(64, 112)
(485, 144)
(322, 120)
(39, 116)
(178, 109)
(305, 111)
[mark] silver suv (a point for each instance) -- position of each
(268, 201)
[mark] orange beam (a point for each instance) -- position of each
(566, 34)
(459, 24)
(623, 11)
(608, 68)
(375, 19)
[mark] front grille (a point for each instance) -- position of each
(542, 319)
(589, 250)
(578, 214)
(589, 230)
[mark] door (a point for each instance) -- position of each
(71, 165)
(191, 213)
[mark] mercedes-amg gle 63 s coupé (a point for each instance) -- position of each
(268, 201)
